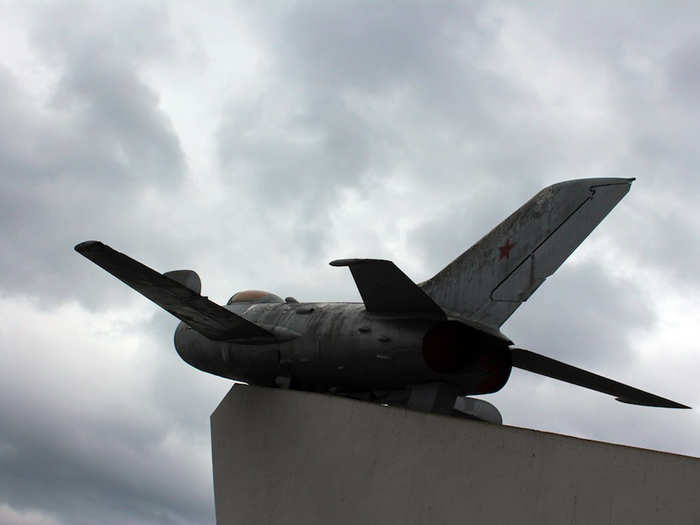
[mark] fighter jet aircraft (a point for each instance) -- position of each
(424, 346)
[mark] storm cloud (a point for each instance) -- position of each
(256, 144)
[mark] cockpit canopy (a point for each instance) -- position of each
(254, 296)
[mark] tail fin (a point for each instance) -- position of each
(491, 279)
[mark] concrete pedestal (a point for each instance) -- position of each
(287, 457)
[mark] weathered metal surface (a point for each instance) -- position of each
(402, 337)
(492, 278)
(386, 289)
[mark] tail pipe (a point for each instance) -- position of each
(478, 361)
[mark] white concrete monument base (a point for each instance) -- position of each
(288, 457)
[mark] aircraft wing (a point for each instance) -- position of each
(208, 318)
(546, 366)
(386, 289)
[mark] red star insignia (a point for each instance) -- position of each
(504, 251)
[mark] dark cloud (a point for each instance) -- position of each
(363, 130)
(683, 76)
(80, 165)
(584, 316)
(307, 162)
(89, 449)
(324, 120)
(648, 116)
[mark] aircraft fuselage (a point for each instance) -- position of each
(340, 347)
(422, 345)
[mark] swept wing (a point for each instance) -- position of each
(208, 318)
(549, 367)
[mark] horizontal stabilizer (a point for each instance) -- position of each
(386, 289)
(176, 295)
(546, 366)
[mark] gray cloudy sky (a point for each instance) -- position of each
(256, 144)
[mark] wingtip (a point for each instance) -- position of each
(346, 262)
(84, 246)
(354, 262)
(659, 402)
(679, 405)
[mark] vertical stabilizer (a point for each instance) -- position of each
(492, 278)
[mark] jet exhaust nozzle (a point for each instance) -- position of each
(482, 362)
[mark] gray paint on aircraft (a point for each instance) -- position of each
(420, 346)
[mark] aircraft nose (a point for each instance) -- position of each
(181, 344)
(195, 349)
